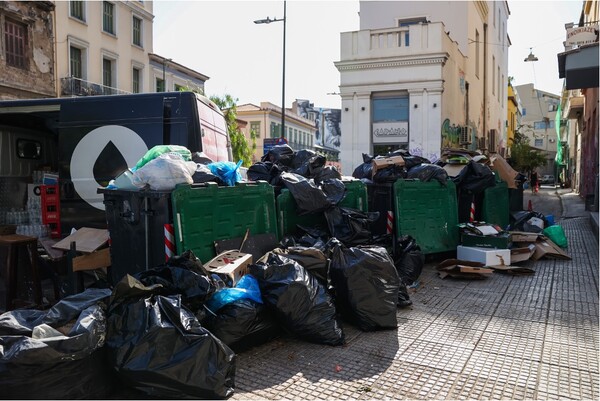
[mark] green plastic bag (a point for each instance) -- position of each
(556, 235)
(159, 150)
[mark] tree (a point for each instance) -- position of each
(523, 157)
(239, 144)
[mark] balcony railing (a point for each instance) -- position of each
(71, 86)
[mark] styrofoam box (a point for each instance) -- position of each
(487, 256)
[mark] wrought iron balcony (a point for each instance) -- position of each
(71, 86)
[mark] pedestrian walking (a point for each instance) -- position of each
(533, 180)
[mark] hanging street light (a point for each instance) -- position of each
(531, 57)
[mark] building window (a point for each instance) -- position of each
(15, 39)
(108, 18)
(160, 85)
(539, 143)
(408, 22)
(178, 88)
(499, 84)
(539, 125)
(390, 109)
(77, 10)
(255, 126)
(493, 76)
(135, 80)
(476, 53)
(76, 61)
(107, 73)
(524, 111)
(137, 31)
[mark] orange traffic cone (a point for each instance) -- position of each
(530, 206)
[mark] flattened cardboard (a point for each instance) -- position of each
(378, 164)
(546, 248)
(501, 241)
(462, 269)
(506, 172)
(92, 261)
(522, 254)
(86, 240)
(514, 270)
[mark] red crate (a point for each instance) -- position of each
(51, 209)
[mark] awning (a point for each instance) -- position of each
(579, 67)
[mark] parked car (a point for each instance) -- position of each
(547, 179)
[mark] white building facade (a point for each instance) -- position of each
(424, 76)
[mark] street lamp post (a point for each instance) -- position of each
(268, 21)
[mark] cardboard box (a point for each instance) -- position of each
(522, 254)
(378, 164)
(462, 269)
(232, 264)
(505, 171)
(523, 236)
(500, 241)
(489, 257)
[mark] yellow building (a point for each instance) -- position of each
(514, 116)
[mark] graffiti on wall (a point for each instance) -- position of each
(419, 151)
(450, 135)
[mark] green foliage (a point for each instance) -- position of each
(239, 145)
(523, 157)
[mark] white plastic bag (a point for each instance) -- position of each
(165, 172)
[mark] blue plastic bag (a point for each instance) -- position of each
(246, 288)
(228, 172)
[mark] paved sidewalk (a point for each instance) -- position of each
(515, 337)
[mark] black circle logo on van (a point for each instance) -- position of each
(89, 150)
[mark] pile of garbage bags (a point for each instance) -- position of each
(164, 166)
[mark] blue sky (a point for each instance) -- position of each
(219, 39)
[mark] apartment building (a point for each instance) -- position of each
(424, 76)
(514, 115)
(27, 50)
(265, 121)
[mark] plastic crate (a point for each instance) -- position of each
(288, 218)
(428, 212)
(51, 209)
(207, 213)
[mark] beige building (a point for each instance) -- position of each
(424, 76)
(102, 47)
(265, 121)
(27, 50)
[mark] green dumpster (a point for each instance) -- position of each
(495, 205)
(203, 214)
(287, 216)
(428, 212)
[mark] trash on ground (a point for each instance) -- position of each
(463, 269)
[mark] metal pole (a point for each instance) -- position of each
(283, 78)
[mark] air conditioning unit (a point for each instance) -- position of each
(482, 143)
(465, 136)
(492, 140)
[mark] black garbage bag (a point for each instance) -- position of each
(157, 346)
(475, 178)
(324, 173)
(351, 226)
(312, 259)
(203, 174)
(301, 304)
(302, 156)
(201, 158)
(366, 285)
(521, 219)
(365, 170)
(279, 154)
(403, 297)
(260, 171)
(389, 174)
(56, 354)
(427, 172)
(409, 259)
(334, 190)
(243, 324)
(309, 197)
(411, 161)
(194, 287)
